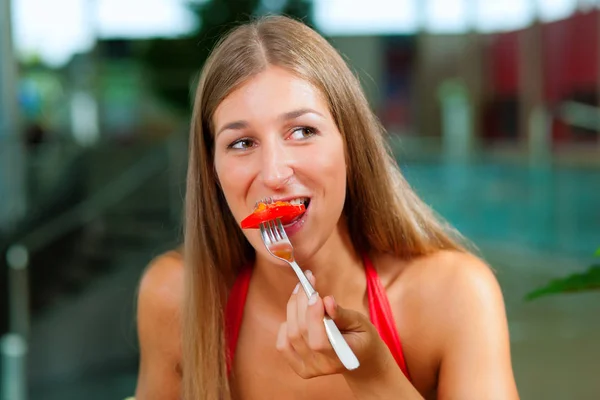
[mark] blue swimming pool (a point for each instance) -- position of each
(550, 210)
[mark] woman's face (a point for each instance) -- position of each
(275, 137)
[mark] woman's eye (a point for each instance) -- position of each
(302, 133)
(241, 144)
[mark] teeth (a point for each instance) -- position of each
(299, 200)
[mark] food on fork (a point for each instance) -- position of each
(284, 210)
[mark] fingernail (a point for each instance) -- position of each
(308, 274)
(296, 288)
(313, 299)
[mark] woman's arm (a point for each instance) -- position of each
(476, 362)
(158, 321)
(466, 322)
(386, 381)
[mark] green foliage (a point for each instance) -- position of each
(174, 64)
(579, 282)
(589, 280)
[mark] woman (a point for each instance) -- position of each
(279, 114)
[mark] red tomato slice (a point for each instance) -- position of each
(266, 212)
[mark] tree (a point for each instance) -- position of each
(173, 65)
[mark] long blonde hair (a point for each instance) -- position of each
(383, 212)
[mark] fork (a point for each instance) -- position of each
(278, 244)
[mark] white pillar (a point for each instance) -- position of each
(457, 120)
(12, 155)
(534, 129)
(13, 356)
(14, 345)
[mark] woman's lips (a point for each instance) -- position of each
(297, 224)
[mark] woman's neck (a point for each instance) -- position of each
(337, 267)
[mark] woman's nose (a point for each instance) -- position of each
(276, 168)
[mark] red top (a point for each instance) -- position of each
(380, 313)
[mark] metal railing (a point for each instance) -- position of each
(14, 344)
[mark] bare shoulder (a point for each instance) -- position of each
(159, 327)
(468, 312)
(453, 273)
(450, 310)
(450, 285)
(440, 274)
(162, 282)
(466, 294)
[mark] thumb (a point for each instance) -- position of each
(345, 319)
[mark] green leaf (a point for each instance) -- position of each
(586, 281)
(597, 253)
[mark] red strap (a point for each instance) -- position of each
(381, 315)
(234, 312)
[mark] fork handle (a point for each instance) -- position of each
(339, 344)
(308, 288)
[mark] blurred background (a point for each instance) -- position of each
(493, 113)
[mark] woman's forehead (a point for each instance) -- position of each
(270, 95)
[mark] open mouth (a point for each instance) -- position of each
(299, 200)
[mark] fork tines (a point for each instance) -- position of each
(272, 231)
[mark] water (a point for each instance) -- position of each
(550, 211)
(531, 225)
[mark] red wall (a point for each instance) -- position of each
(570, 68)
(570, 49)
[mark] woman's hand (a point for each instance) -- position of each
(303, 341)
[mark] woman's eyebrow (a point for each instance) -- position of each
(235, 125)
(241, 124)
(298, 113)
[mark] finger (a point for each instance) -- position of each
(292, 310)
(287, 351)
(317, 336)
(345, 319)
(311, 277)
(330, 305)
(302, 302)
(294, 333)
